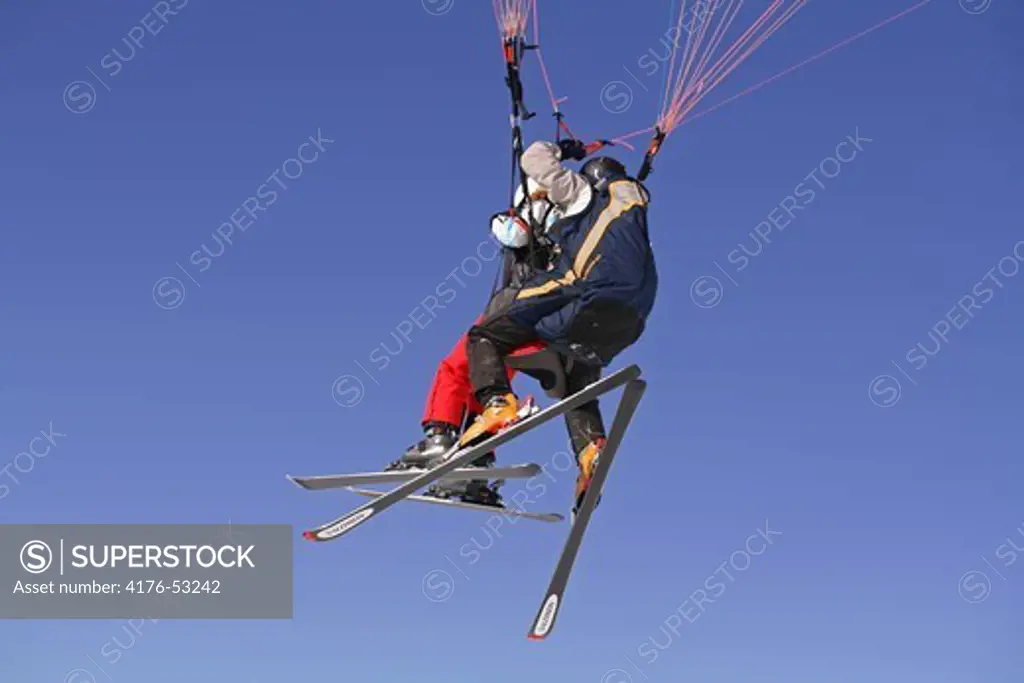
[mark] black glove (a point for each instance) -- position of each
(573, 150)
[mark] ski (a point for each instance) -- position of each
(545, 619)
(553, 517)
(457, 458)
(340, 481)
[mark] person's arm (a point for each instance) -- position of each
(542, 161)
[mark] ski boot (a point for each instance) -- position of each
(587, 462)
(499, 413)
(438, 439)
(478, 491)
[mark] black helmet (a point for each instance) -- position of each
(601, 171)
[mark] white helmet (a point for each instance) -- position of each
(514, 231)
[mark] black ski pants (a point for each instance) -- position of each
(604, 327)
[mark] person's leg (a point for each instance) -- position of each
(450, 392)
(488, 344)
(444, 412)
(586, 430)
(605, 327)
(497, 336)
(513, 324)
(450, 405)
(450, 402)
(584, 424)
(602, 329)
(451, 397)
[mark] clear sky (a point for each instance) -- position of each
(188, 400)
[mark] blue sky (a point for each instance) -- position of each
(791, 391)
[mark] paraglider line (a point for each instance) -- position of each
(807, 61)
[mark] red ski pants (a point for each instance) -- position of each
(451, 395)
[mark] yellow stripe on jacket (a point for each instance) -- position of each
(624, 195)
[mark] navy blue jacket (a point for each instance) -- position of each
(605, 253)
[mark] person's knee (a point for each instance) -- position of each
(506, 333)
(605, 328)
(476, 333)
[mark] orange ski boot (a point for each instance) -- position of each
(499, 413)
(587, 462)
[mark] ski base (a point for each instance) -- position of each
(461, 457)
(552, 517)
(340, 481)
(548, 612)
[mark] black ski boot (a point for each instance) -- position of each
(438, 439)
(478, 491)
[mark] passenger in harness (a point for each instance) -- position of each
(450, 403)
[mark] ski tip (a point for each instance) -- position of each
(309, 535)
(534, 637)
(297, 481)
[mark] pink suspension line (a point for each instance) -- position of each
(699, 76)
(513, 18)
(693, 75)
